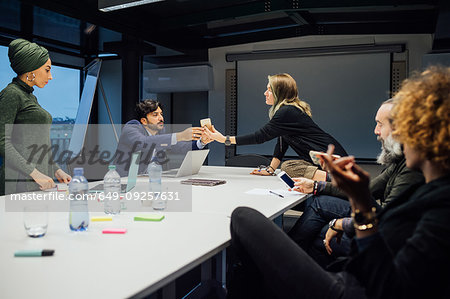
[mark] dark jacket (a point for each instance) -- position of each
(410, 257)
(393, 181)
(135, 137)
(295, 129)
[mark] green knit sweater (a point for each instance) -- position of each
(31, 130)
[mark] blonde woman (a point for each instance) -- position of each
(290, 122)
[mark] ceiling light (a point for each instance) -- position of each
(110, 5)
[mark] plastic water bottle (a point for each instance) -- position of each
(112, 188)
(154, 177)
(78, 192)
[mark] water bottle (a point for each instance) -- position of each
(78, 192)
(111, 190)
(154, 177)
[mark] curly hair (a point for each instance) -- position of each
(421, 114)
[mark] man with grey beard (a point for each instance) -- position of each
(391, 150)
(323, 222)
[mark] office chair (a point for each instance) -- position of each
(248, 160)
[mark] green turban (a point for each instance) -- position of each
(25, 56)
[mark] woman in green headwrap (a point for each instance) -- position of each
(25, 125)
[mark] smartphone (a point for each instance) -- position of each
(286, 179)
(206, 122)
(315, 156)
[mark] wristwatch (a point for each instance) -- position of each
(331, 225)
(227, 140)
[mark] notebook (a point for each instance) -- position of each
(132, 176)
(192, 163)
(203, 182)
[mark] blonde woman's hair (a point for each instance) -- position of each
(284, 90)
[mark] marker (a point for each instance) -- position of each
(33, 253)
(274, 193)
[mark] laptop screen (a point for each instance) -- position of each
(132, 176)
(191, 165)
(133, 171)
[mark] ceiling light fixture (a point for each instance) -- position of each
(110, 5)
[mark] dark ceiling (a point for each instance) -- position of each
(190, 27)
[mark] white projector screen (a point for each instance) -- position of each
(344, 92)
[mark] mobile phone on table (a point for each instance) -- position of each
(315, 156)
(286, 179)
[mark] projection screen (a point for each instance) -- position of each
(344, 92)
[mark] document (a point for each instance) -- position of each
(283, 192)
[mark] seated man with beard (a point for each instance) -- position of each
(147, 134)
(323, 210)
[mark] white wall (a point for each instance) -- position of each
(416, 46)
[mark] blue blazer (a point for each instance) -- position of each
(135, 137)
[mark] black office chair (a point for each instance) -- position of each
(248, 160)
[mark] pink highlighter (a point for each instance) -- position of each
(114, 231)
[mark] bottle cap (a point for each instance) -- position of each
(78, 171)
(112, 167)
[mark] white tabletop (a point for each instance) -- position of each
(93, 265)
(223, 199)
(150, 255)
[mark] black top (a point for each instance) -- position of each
(410, 256)
(296, 129)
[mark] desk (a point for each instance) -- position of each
(223, 199)
(148, 257)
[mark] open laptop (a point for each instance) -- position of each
(192, 163)
(132, 176)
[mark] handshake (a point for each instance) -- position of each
(206, 133)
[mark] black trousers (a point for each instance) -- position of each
(310, 229)
(266, 263)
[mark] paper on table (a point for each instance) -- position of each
(284, 192)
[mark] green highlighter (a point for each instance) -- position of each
(149, 217)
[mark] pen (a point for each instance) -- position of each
(274, 193)
(39, 252)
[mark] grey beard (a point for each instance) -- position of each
(391, 151)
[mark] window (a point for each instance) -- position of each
(6, 72)
(61, 95)
(56, 26)
(10, 14)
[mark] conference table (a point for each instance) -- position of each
(149, 257)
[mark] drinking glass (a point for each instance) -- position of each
(35, 220)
